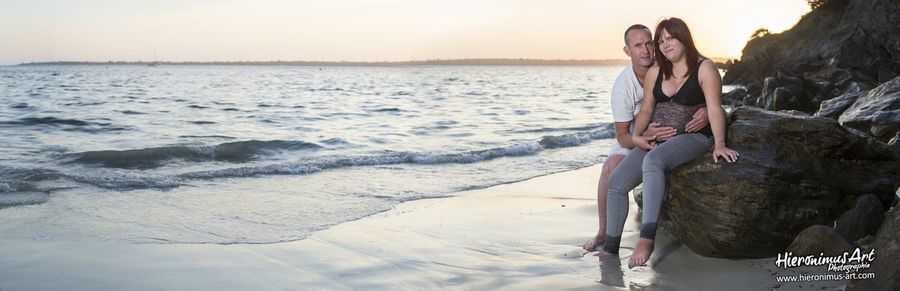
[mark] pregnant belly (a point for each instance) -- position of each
(674, 115)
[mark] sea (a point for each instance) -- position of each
(264, 154)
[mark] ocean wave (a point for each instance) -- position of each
(17, 187)
(67, 124)
(590, 127)
(389, 109)
(120, 180)
(10, 199)
(206, 136)
(241, 151)
(46, 121)
(575, 139)
(4, 187)
(129, 164)
(14, 178)
(308, 167)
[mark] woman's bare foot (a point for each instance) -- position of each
(642, 251)
(594, 243)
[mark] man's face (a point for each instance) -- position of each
(640, 47)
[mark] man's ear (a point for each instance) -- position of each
(627, 51)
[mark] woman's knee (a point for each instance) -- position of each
(655, 160)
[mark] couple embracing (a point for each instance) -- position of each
(666, 113)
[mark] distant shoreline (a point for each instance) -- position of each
(451, 62)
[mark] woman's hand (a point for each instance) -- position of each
(644, 142)
(722, 151)
(699, 121)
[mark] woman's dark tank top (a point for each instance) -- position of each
(677, 110)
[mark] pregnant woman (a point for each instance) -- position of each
(683, 81)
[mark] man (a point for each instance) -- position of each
(627, 93)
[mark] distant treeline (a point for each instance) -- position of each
(455, 62)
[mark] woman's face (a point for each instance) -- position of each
(670, 47)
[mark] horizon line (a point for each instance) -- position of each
(462, 62)
(328, 63)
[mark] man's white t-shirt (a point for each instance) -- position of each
(625, 101)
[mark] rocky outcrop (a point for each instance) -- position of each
(887, 249)
(838, 48)
(864, 219)
(818, 239)
(794, 171)
(832, 108)
(841, 61)
(876, 112)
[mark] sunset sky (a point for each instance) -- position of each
(365, 30)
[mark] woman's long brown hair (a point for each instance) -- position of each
(678, 30)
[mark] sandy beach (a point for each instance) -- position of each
(444, 145)
(524, 235)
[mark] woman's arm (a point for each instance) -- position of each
(711, 83)
(643, 117)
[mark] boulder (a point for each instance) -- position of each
(864, 219)
(734, 97)
(794, 171)
(887, 249)
(787, 92)
(876, 112)
(818, 239)
(784, 98)
(833, 108)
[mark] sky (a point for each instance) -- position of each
(366, 30)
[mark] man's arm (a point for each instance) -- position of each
(623, 135)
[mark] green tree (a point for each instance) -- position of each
(760, 33)
(816, 3)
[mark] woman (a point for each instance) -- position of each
(683, 80)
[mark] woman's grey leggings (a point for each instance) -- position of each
(651, 167)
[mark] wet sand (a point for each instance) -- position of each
(524, 235)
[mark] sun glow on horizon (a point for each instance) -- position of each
(358, 30)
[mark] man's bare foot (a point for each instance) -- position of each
(642, 251)
(594, 243)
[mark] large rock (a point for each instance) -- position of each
(887, 250)
(864, 219)
(833, 108)
(818, 239)
(830, 49)
(794, 171)
(782, 92)
(734, 97)
(876, 112)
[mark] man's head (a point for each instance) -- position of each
(639, 45)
